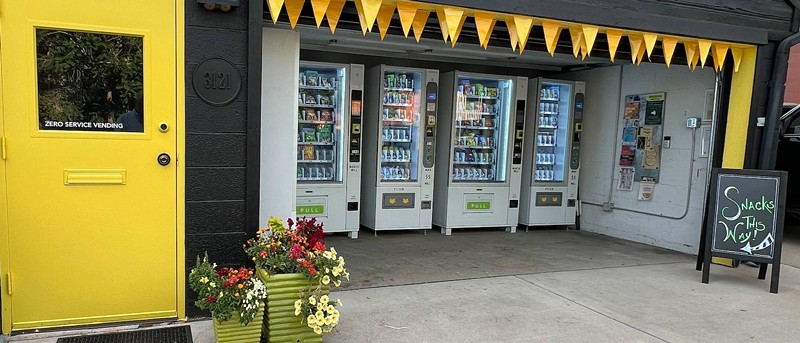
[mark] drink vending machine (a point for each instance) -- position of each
(328, 144)
(481, 130)
(550, 172)
(399, 140)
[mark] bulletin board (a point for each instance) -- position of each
(642, 134)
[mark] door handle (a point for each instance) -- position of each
(163, 159)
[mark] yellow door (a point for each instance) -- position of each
(88, 106)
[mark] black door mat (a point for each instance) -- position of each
(172, 334)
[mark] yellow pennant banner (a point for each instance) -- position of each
(385, 18)
(275, 9)
(650, 42)
(552, 30)
(705, 47)
(719, 52)
(484, 24)
(640, 54)
(443, 23)
(420, 19)
(636, 45)
(523, 25)
(589, 35)
(584, 50)
(576, 34)
(370, 9)
(512, 33)
(361, 19)
(455, 22)
(737, 58)
(334, 12)
(320, 7)
(613, 37)
(293, 8)
(668, 46)
(406, 10)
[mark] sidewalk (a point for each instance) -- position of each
(545, 286)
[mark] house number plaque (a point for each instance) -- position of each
(216, 81)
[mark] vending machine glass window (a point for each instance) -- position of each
(552, 133)
(400, 126)
(320, 119)
(481, 130)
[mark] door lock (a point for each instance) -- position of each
(163, 127)
(163, 159)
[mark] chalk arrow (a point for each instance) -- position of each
(763, 245)
(747, 248)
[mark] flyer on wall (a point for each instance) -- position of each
(646, 189)
(626, 177)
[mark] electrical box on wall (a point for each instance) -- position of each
(692, 123)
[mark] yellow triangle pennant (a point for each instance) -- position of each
(320, 7)
(455, 22)
(737, 58)
(613, 37)
(361, 18)
(334, 12)
(385, 18)
(636, 41)
(705, 47)
(576, 34)
(524, 25)
(552, 30)
(420, 19)
(668, 47)
(640, 54)
(370, 9)
(584, 50)
(293, 8)
(275, 9)
(589, 35)
(691, 52)
(512, 33)
(443, 23)
(650, 42)
(720, 51)
(406, 10)
(484, 23)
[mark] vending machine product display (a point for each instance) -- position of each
(399, 140)
(550, 169)
(481, 134)
(328, 144)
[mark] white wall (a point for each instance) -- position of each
(280, 65)
(601, 139)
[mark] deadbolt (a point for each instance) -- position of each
(163, 127)
(164, 159)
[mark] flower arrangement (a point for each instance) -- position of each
(300, 248)
(227, 291)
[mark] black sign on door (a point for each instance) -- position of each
(746, 212)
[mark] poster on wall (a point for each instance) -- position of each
(646, 189)
(643, 119)
(626, 175)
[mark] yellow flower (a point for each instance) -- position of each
(337, 283)
(335, 318)
(312, 300)
(241, 286)
(317, 330)
(327, 254)
(328, 321)
(212, 285)
(320, 315)
(330, 309)
(323, 299)
(311, 320)
(333, 252)
(203, 280)
(298, 303)
(335, 272)
(297, 311)
(326, 280)
(254, 259)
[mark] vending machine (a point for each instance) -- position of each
(328, 145)
(481, 132)
(399, 141)
(550, 172)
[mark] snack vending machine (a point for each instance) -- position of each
(399, 138)
(481, 129)
(328, 145)
(550, 173)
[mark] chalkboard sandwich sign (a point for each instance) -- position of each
(746, 219)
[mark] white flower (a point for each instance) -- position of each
(203, 280)
(323, 299)
(333, 252)
(326, 280)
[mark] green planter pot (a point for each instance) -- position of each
(280, 323)
(231, 331)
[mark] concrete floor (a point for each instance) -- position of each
(546, 286)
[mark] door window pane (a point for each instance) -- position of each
(89, 81)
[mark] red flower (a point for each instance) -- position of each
(223, 271)
(211, 299)
(226, 284)
(319, 246)
(312, 270)
(297, 252)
